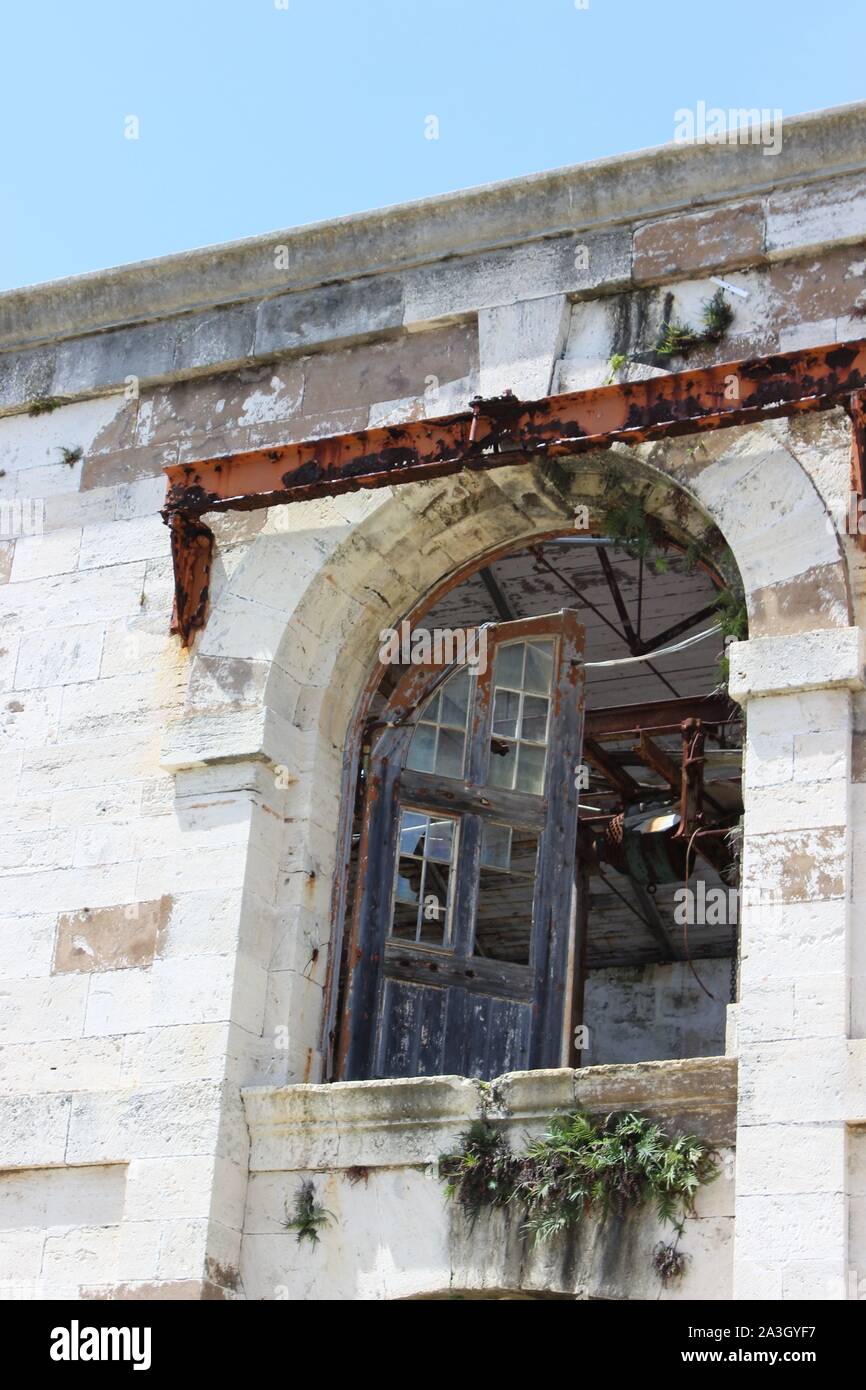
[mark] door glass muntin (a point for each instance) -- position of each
(422, 901)
(438, 745)
(506, 893)
(520, 720)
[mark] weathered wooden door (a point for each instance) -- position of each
(463, 932)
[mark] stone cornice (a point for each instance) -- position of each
(627, 188)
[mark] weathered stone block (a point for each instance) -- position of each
(811, 217)
(104, 360)
(26, 944)
(414, 364)
(157, 1123)
(59, 657)
(36, 557)
(72, 600)
(575, 264)
(126, 466)
(185, 1053)
(33, 1130)
(111, 938)
(764, 666)
(222, 336)
(142, 538)
(717, 239)
(519, 345)
(799, 866)
(193, 990)
(328, 314)
(73, 1064)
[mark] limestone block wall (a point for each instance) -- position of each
(645, 1013)
(172, 819)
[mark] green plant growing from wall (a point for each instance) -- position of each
(44, 405)
(628, 524)
(579, 1167)
(669, 1262)
(733, 617)
(717, 316)
(614, 367)
(734, 622)
(678, 339)
(307, 1216)
(71, 456)
(482, 1174)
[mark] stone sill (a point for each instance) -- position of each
(402, 1123)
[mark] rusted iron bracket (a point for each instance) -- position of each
(192, 552)
(494, 419)
(856, 513)
(496, 433)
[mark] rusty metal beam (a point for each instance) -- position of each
(504, 430)
(856, 407)
(192, 553)
(660, 761)
(597, 758)
(500, 432)
(624, 721)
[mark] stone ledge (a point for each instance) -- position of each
(242, 735)
(829, 659)
(405, 1122)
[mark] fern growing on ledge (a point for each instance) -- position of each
(307, 1215)
(580, 1167)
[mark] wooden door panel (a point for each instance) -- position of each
(431, 1031)
(502, 978)
(492, 802)
(497, 1036)
(473, 1003)
(411, 1030)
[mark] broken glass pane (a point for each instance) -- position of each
(455, 700)
(503, 924)
(539, 667)
(506, 711)
(496, 845)
(530, 769)
(533, 724)
(509, 665)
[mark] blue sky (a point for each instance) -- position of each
(255, 115)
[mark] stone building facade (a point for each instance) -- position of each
(178, 820)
